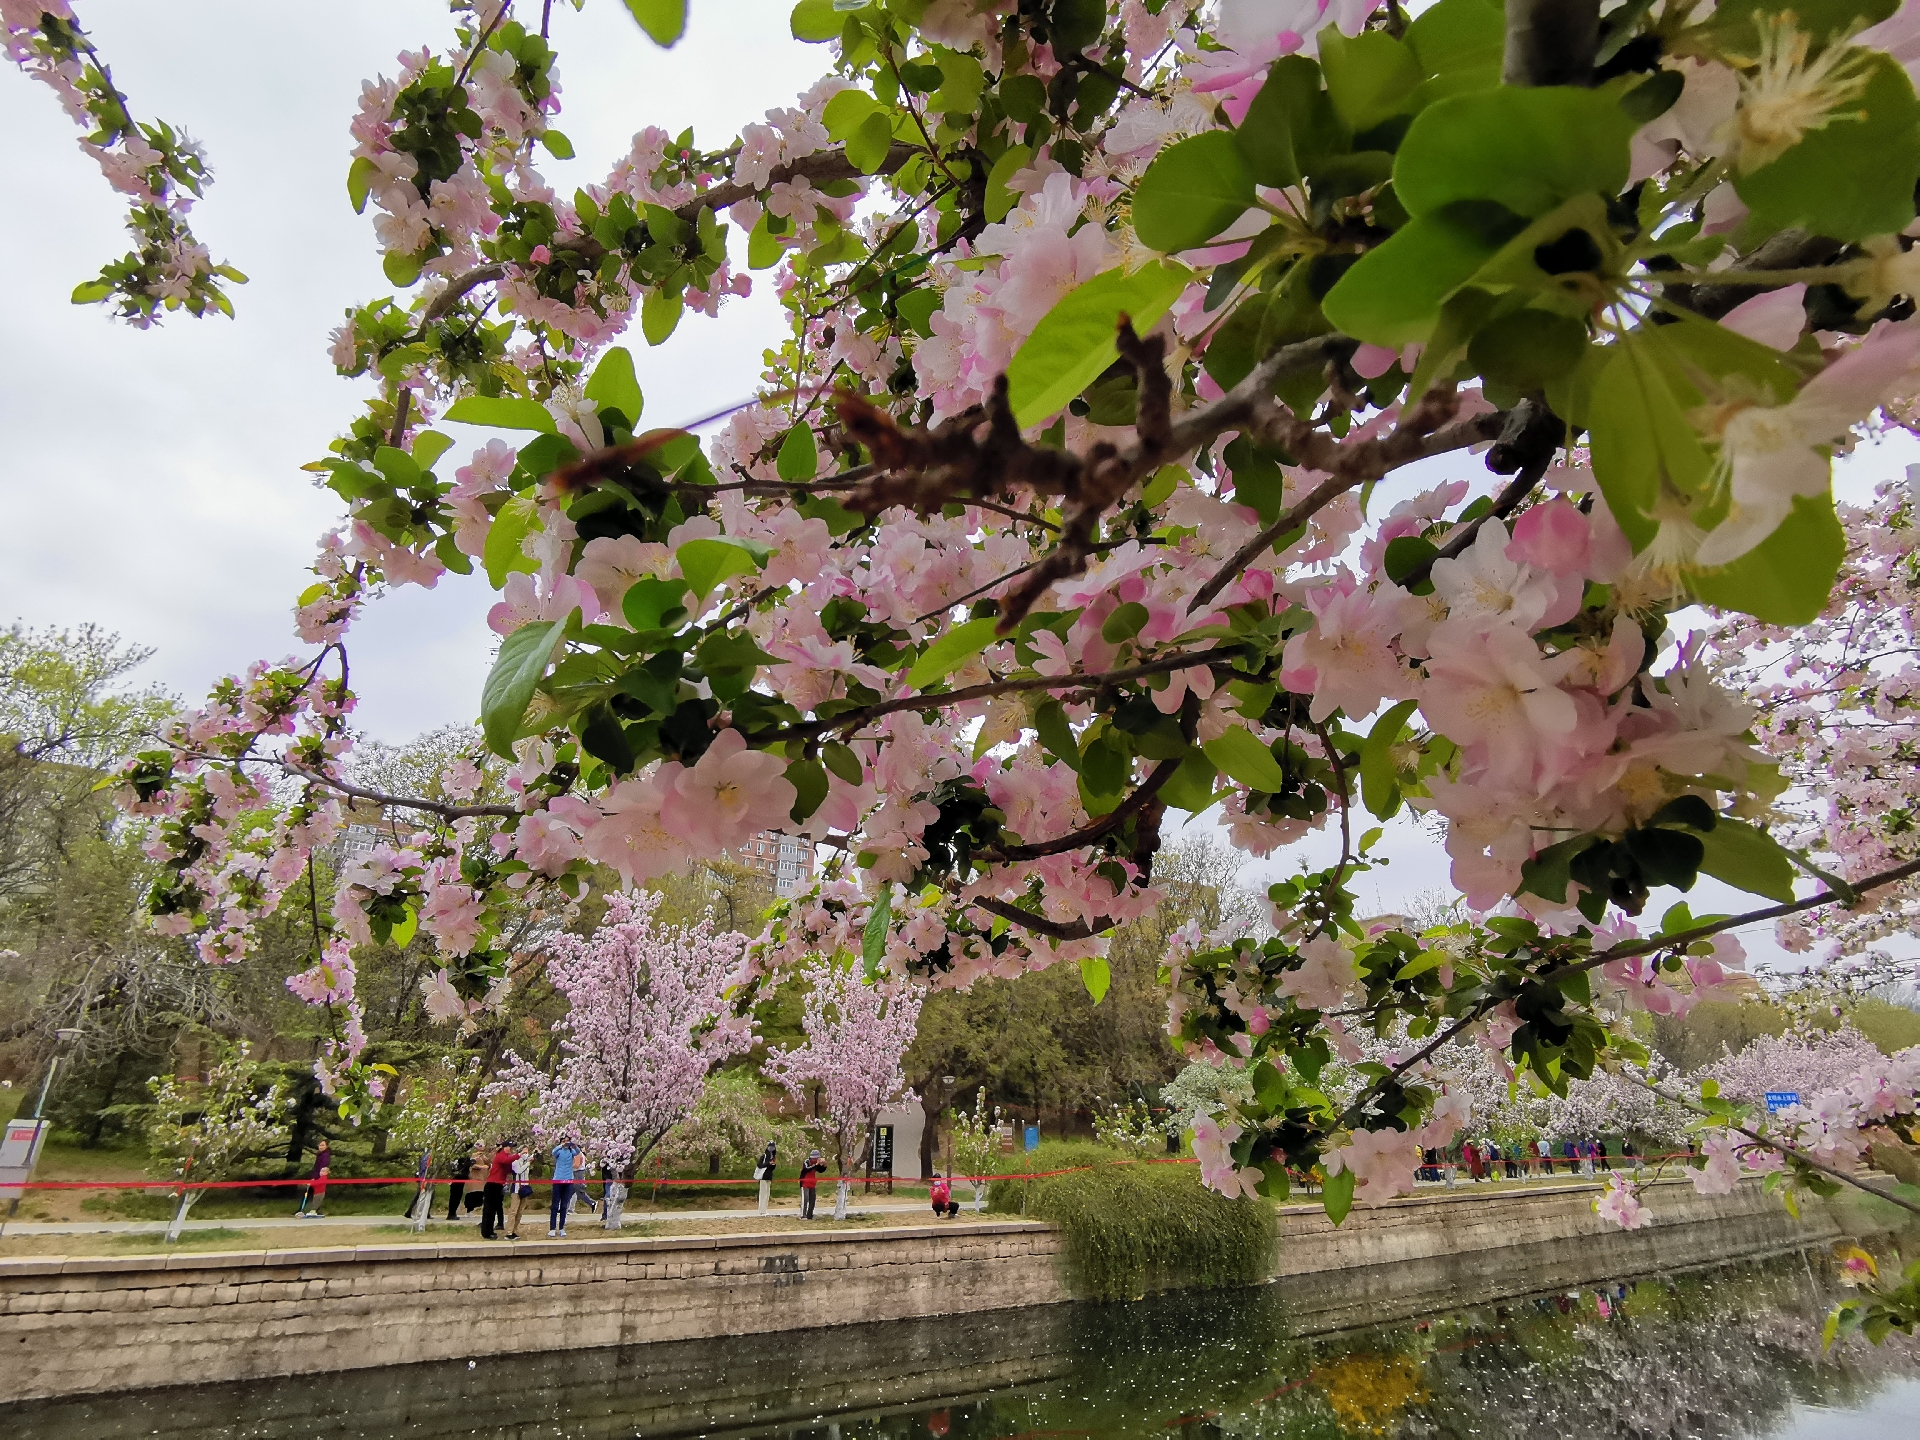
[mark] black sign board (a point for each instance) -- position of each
(882, 1149)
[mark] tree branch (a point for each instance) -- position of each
(1161, 666)
(1551, 42)
(1136, 802)
(1352, 465)
(1039, 924)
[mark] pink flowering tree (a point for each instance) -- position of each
(647, 1019)
(1257, 411)
(849, 1066)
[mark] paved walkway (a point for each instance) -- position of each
(583, 1222)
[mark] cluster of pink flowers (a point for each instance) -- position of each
(857, 1036)
(647, 1019)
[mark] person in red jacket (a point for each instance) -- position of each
(810, 1174)
(941, 1192)
(493, 1209)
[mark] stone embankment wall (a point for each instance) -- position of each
(1434, 1251)
(81, 1326)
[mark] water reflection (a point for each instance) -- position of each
(1733, 1352)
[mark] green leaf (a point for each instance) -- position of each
(1291, 126)
(951, 650)
(1056, 733)
(1191, 788)
(504, 553)
(1192, 191)
(1406, 554)
(917, 307)
(1336, 1191)
(1822, 183)
(1074, 341)
(359, 181)
(1377, 783)
(523, 660)
(1747, 859)
(999, 198)
(763, 250)
(1124, 623)
(664, 20)
(1528, 348)
(816, 21)
(1525, 149)
(1787, 578)
(404, 929)
(429, 446)
(503, 412)
(1459, 36)
(558, 145)
(706, 562)
(799, 457)
(868, 146)
(660, 314)
(846, 112)
(650, 603)
(1393, 295)
(842, 762)
(809, 781)
(90, 292)
(1242, 757)
(1369, 77)
(873, 940)
(615, 387)
(1096, 975)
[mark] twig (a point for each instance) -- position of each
(1039, 924)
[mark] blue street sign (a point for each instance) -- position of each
(1781, 1099)
(1033, 1137)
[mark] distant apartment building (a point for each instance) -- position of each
(786, 860)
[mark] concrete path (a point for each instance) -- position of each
(585, 1222)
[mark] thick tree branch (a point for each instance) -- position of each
(1040, 925)
(1551, 42)
(441, 808)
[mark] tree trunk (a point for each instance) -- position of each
(840, 1199)
(614, 1207)
(179, 1221)
(1551, 42)
(929, 1136)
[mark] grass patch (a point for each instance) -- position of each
(1135, 1229)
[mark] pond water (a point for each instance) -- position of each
(1731, 1352)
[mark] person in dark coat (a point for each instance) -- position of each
(461, 1168)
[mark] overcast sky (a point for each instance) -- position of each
(153, 478)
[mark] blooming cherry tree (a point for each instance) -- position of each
(647, 1019)
(857, 1036)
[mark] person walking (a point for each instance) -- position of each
(810, 1174)
(461, 1168)
(522, 1189)
(316, 1195)
(763, 1172)
(1545, 1148)
(1600, 1155)
(493, 1192)
(565, 1155)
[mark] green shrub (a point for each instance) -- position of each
(1134, 1228)
(1050, 1155)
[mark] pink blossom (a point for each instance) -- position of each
(1621, 1206)
(730, 794)
(631, 838)
(1325, 977)
(1382, 1162)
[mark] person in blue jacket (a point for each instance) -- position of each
(565, 1154)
